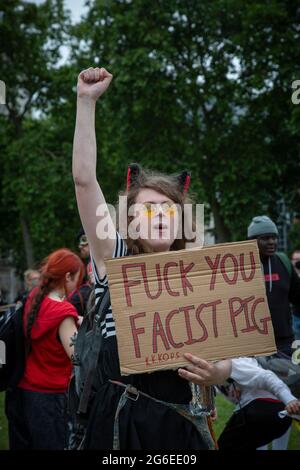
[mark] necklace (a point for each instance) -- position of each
(57, 296)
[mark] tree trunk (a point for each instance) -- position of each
(223, 235)
(27, 242)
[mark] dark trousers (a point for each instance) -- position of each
(253, 426)
(36, 420)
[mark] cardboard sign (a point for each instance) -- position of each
(207, 301)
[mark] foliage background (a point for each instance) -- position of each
(199, 85)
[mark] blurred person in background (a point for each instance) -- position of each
(31, 280)
(83, 245)
(281, 281)
(36, 408)
(80, 297)
(296, 309)
(282, 289)
(259, 396)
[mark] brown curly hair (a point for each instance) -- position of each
(171, 187)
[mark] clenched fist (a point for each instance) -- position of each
(93, 82)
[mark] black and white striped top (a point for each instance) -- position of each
(108, 325)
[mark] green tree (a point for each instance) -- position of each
(199, 85)
(31, 37)
(204, 85)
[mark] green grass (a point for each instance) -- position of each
(3, 425)
(224, 412)
(225, 409)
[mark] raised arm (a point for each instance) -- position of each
(92, 83)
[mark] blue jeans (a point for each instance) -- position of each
(36, 420)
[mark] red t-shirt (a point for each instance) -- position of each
(48, 368)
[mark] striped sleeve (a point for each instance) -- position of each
(119, 251)
(108, 328)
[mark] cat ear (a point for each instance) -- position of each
(133, 172)
(184, 180)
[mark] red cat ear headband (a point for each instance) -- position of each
(184, 180)
(134, 171)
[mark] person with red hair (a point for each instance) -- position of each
(36, 409)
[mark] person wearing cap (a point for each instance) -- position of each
(83, 245)
(282, 289)
(80, 296)
(282, 281)
(85, 255)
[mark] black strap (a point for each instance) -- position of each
(102, 309)
(20, 343)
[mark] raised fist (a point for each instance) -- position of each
(93, 82)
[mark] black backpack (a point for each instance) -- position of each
(87, 375)
(80, 298)
(13, 349)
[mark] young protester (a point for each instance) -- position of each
(156, 415)
(36, 409)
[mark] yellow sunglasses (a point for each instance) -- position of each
(168, 208)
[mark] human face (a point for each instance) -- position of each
(83, 247)
(84, 251)
(157, 218)
(33, 280)
(267, 244)
(71, 282)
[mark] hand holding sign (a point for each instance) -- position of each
(202, 372)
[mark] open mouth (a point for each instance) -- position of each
(160, 226)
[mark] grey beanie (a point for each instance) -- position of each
(261, 225)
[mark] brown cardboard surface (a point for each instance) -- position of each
(208, 301)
